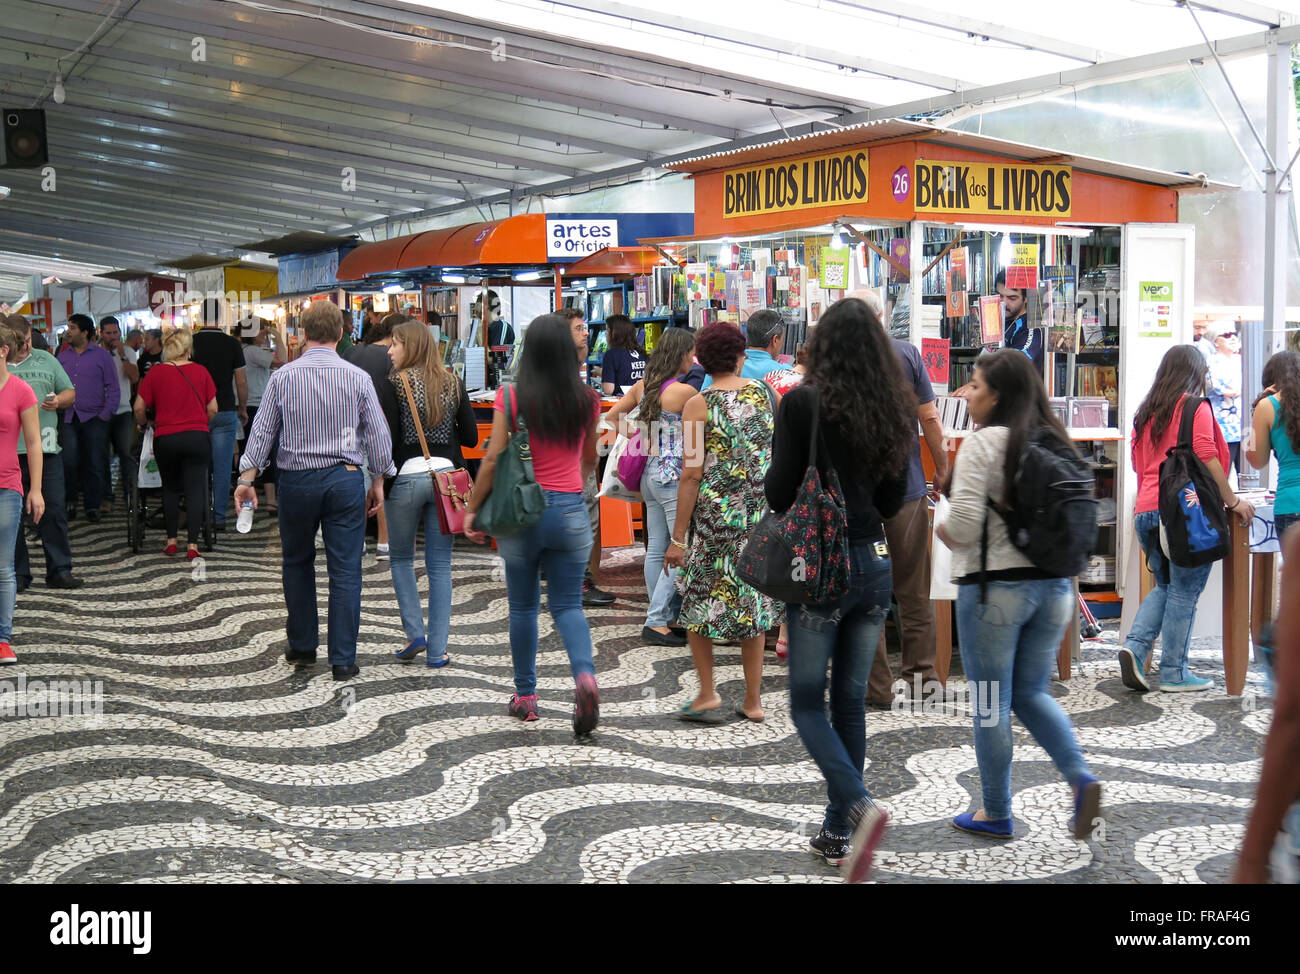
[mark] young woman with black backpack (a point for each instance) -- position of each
(861, 415)
(1169, 609)
(1010, 614)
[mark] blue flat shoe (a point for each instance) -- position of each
(437, 664)
(412, 649)
(996, 829)
(1087, 806)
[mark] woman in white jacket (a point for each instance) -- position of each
(1010, 615)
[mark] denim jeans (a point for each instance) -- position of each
(560, 543)
(1169, 609)
(334, 500)
(224, 428)
(843, 635)
(412, 501)
(121, 444)
(85, 458)
(11, 522)
(1008, 648)
(52, 527)
(661, 512)
(1283, 521)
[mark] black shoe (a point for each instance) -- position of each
(649, 635)
(299, 659)
(346, 672)
(64, 581)
(93, 517)
(831, 848)
(678, 631)
(594, 596)
(23, 585)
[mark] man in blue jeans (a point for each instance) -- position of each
(85, 441)
(223, 357)
(326, 418)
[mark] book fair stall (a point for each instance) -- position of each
(971, 243)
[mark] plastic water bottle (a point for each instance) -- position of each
(245, 522)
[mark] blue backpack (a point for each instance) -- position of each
(1193, 523)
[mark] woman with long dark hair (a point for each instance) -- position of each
(661, 397)
(865, 417)
(624, 363)
(444, 415)
(1010, 615)
(560, 414)
(728, 448)
(1169, 609)
(1276, 430)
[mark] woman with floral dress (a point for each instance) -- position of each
(727, 434)
(1225, 388)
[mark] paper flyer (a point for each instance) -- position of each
(934, 353)
(991, 319)
(835, 268)
(1156, 309)
(698, 279)
(955, 284)
(900, 248)
(1022, 272)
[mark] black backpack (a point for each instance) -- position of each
(1193, 523)
(1054, 520)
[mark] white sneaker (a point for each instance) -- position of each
(381, 552)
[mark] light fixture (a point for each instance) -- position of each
(837, 239)
(1052, 231)
(1005, 252)
(453, 278)
(60, 94)
(528, 276)
(393, 288)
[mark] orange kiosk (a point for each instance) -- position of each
(927, 216)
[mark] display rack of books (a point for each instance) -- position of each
(440, 306)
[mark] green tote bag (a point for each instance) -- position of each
(516, 501)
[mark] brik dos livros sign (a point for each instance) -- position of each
(796, 184)
(993, 188)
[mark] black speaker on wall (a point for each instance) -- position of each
(23, 145)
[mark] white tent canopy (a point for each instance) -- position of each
(194, 126)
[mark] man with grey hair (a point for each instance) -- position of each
(764, 335)
(323, 418)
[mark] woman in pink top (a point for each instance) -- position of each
(1170, 608)
(560, 414)
(17, 415)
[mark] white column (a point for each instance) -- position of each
(1277, 195)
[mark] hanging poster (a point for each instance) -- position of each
(1156, 309)
(641, 300)
(900, 248)
(835, 268)
(1061, 318)
(991, 319)
(698, 279)
(934, 353)
(957, 303)
(1022, 272)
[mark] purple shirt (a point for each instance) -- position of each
(94, 376)
(321, 411)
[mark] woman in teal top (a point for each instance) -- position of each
(1276, 428)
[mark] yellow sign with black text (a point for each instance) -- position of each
(992, 189)
(830, 179)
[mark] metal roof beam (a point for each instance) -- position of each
(118, 94)
(348, 98)
(116, 246)
(1107, 72)
(422, 70)
(1258, 13)
(764, 42)
(975, 27)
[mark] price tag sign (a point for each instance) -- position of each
(1023, 270)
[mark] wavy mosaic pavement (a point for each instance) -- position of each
(213, 761)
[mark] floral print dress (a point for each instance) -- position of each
(738, 450)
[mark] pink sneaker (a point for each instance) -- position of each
(525, 708)
(866, 836)
(586, 705)
(7, 656)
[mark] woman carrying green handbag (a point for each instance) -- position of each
(529, 495)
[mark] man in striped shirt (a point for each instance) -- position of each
(326, 418)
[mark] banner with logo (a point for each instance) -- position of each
(1156, 309)
(992, 189)
(828, 179)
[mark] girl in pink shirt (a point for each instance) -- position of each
(17, 415)
(1169, 609)
(560, 414)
